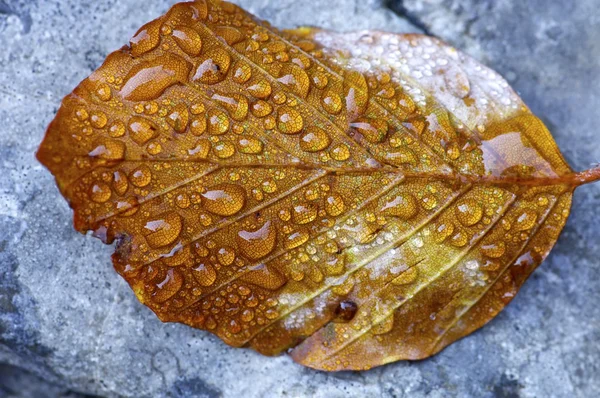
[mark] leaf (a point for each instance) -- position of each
(363, 197)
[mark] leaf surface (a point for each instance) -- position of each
(361, 198)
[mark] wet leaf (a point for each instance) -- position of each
(363, 197)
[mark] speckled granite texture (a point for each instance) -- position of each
(69, 325)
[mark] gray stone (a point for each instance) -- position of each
(70, 325)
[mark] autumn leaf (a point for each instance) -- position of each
(361, 198)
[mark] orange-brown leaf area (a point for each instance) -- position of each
(361, 198)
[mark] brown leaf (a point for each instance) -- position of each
(363, 197)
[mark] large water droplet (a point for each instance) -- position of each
(100, 192)
(213, 66)
(148, 80)
(163, 230)
(469, 212)
(314, 139)
(224, 199)
(178, 118)
(205, 274)
(188, 40)
(257, 244)
(404, 205)
(304, 213)
(168, 287)
(265, 277)
(289, 120)
(334, 205)
(141, 130)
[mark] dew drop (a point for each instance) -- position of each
(526, 220)
(100, 192)
(331, 102)
(304, 213)
(314, 139)
(261, 108)
(188, 40)
(257, 244)
(178, 119)
(250, 145)
(340, 152)
(289, 120)
(98, 120)
(141, 130)
(334, 205)
(346, 310)
(260, 90)
(163, 230)
(404, 205)
(218, 122)
(265, 277)
(213, 66)
(224, 149)
(469, 212)
(168, 287)
(226, 256)
(494, 250)
(205, 274)
(120, 183)
(374, 130)
(141, 176)
(117, 129)
(296, 239)
(224, 199)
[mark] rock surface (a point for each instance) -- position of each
(69, 325)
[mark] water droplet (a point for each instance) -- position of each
(98, 119)
(469, 212)
(346, 310)
(374, 130)
(148, 80)
(296, 239)
(163, 230)
(218, 122)
(103, 92)
(460, 239)
(257, 244)
(236, 105)
(314, 139)
(247, 315)
(188, 40)
(141, 176)
(241, 72)
(526, 220)
(198, 125)
(120, 183)
(108, 149)
(404, 205)
(183, 200)
(304, 213)
(261, 108)
(250, 145)
(168, 287)
(442, 232)
(334, 205)
(494, 250)
(265, 277)
(117, 129)
(295, 78)
(406, 277)
(289, 120)
(226, 256)
(224, 149)
(340, 152)
(100, 192)
(146, 38)
(261, 89)
(224, 199)
(141, 130)
(201, 149)
(213, 66)
(230, 34)
(178, 118)
(320, 80)
(331, 102)
(429, 202)
(205, 274)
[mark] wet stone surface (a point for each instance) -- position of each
(70, 326)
